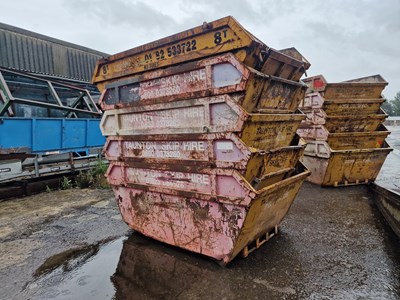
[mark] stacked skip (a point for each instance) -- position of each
(344, 130)
(201, 137)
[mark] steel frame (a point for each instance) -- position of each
(7, 100)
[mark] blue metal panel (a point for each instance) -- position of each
(47, 134)
(74, 134)
(16, 134)
(41, 135)
(94, 133)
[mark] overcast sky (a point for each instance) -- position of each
(342, 39)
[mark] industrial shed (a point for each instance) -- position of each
(32, 52)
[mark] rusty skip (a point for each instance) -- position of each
(341, 106)
(370, 87)
(212, 76)
(216, 114)
(185, 219)
(224, 150)
(345, 140)
(213, 182)
(220, 36)
(324, 149)
(344, 123)
(344, 167)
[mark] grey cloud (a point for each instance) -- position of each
(348, 39)
(137, 14)
(254, 12)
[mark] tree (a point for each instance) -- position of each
(388, 107)
(396, 104)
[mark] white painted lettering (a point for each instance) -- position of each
(193, 145)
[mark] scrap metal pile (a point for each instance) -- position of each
(344, 130)
(201, 137)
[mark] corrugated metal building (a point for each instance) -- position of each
(25, 50)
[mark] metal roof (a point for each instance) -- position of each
(25, 50)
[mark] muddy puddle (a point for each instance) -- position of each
(131, 267)
(78, 273)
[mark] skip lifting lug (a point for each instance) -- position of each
(206, 26)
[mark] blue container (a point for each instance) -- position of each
(44, 135)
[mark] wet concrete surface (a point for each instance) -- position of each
(389, 176)
(72, 244)
(36, 228)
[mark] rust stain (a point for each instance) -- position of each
(137, 152)
(195, 154)
(199, 212)
(139, 203)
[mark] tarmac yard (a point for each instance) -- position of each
(72, 244)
